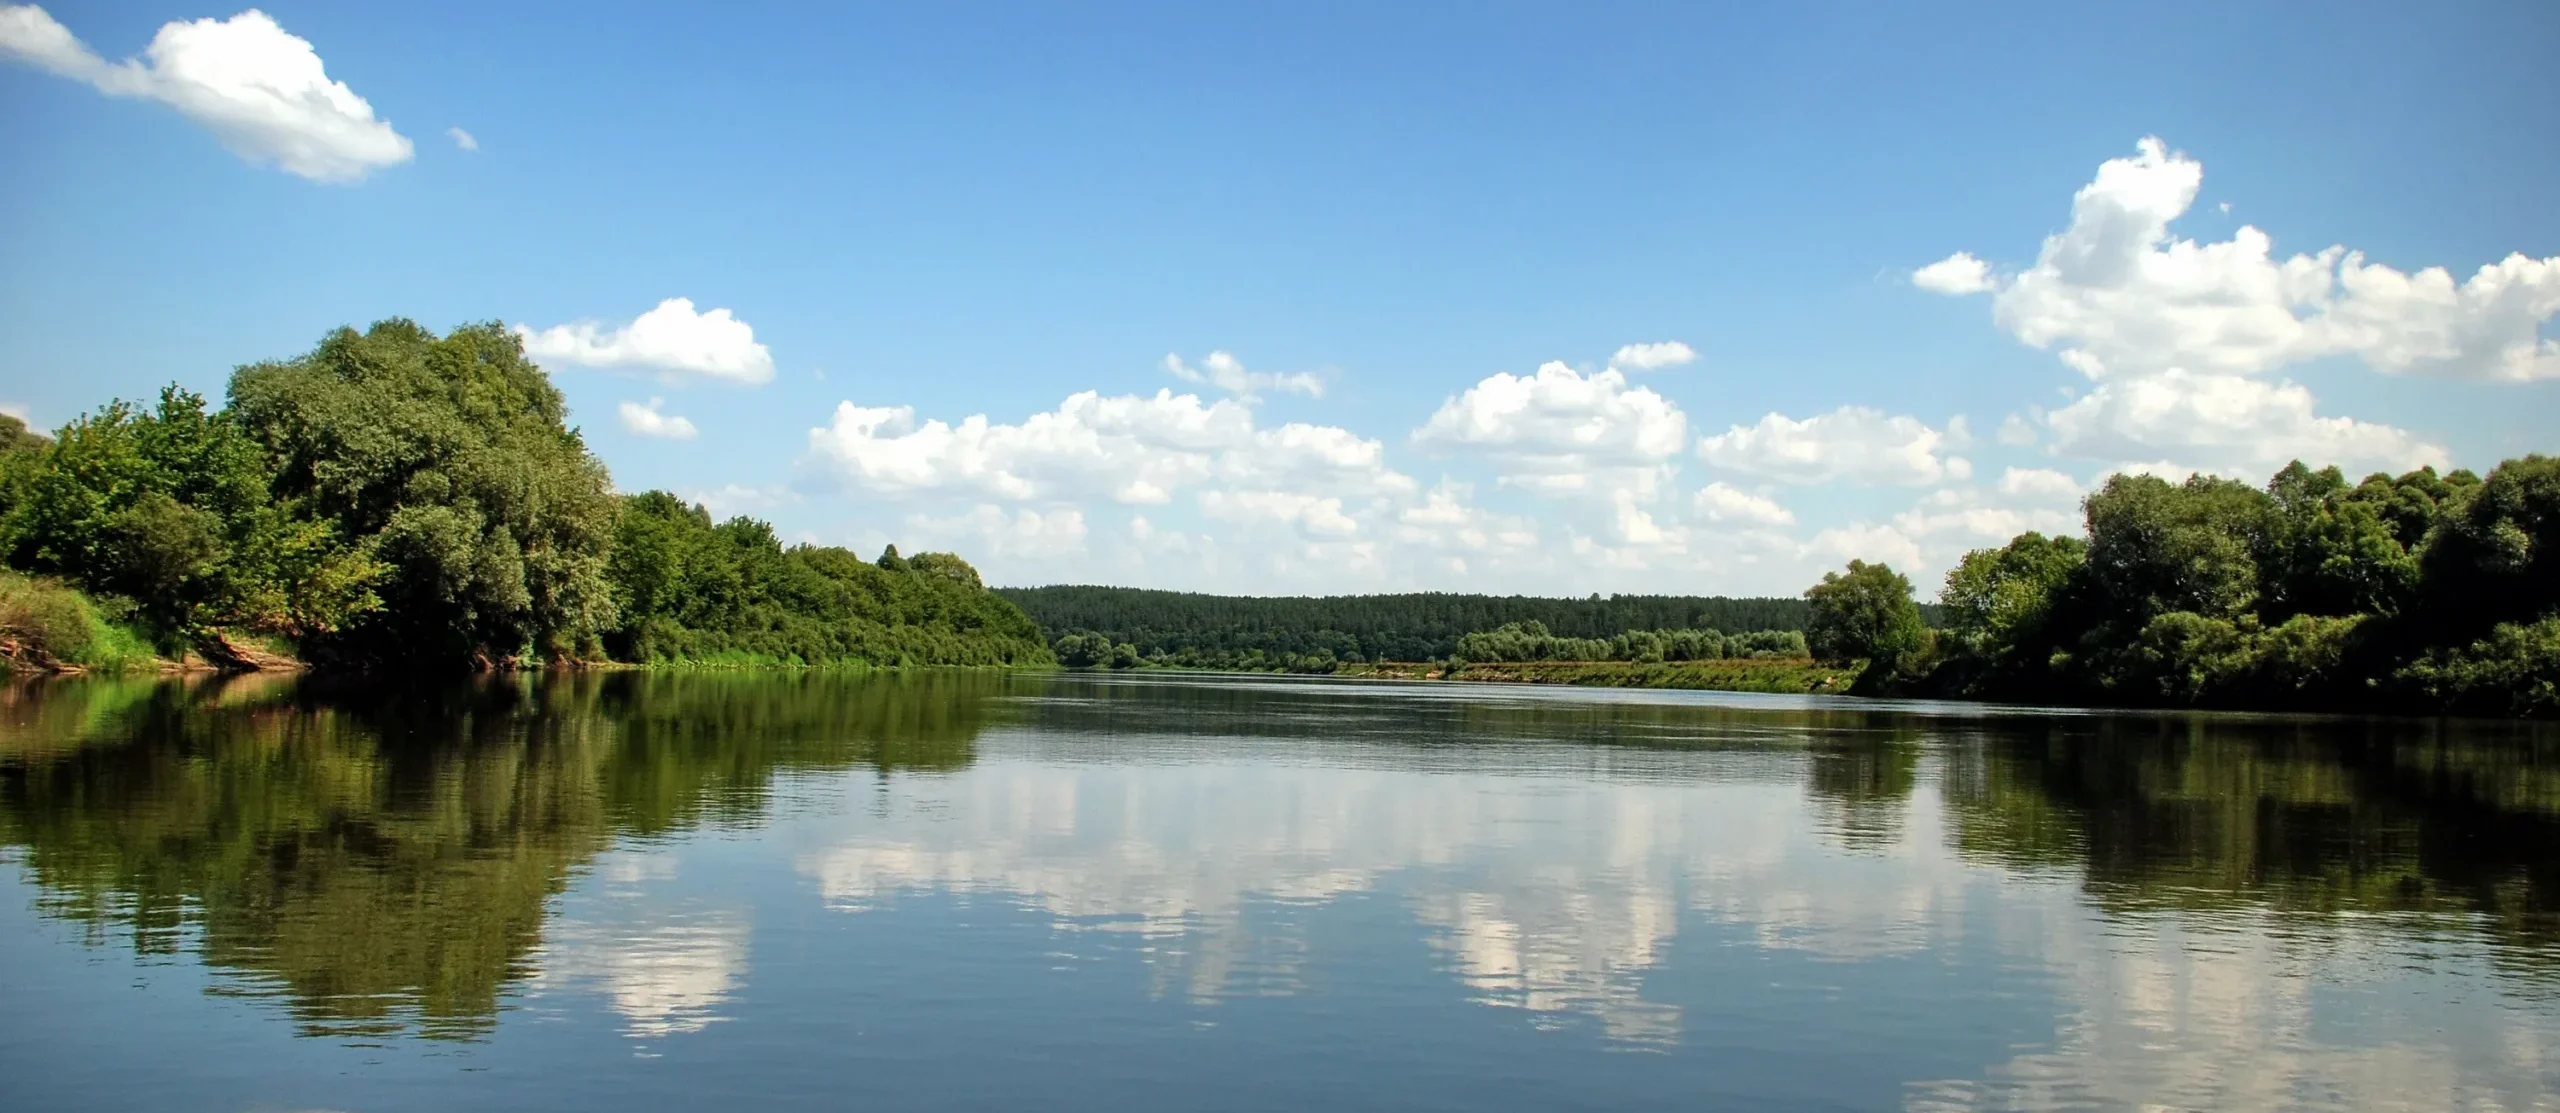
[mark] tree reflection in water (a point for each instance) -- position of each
(384, 859)
(385, 863)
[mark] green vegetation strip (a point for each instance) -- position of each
(395, 500)
(1778, 675)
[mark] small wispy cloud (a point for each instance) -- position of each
(463, 139)
(648, 421)
(1652, 357)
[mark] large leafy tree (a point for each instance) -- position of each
(2001, 604)
(2342, 551)
(2496, 557)
(1864, 613)
(449, 458)
(2157, 547)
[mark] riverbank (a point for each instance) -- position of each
(1732, 674)
(1777, 675)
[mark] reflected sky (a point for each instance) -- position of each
(1096, 892)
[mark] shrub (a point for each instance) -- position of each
(54, 624)
(2513, 671)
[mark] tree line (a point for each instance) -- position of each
(399, 499)
(1221, 631)
(1531, 641)
(2418, 592)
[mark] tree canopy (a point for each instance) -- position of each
(1227, 630)
(1864, 614)
(396, 498)
(2412, 592)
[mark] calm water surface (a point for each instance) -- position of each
(936, 891)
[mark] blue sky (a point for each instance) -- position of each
(916, 215)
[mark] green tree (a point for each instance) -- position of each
(171, 508)
(2496, 556)
(22, 453)
(1864, 613)
(449, 459)
(2155, 547)
(2332, 552)
(1999, 602)
(948, 566)
(688, 589)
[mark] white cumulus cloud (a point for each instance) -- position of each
(988, 531)
(2226, 423)
(1868, 542)
(648, 421)
(1446, 521)
(1132, 449)
(260, 90)
(1721, 502)
(1652, 357)
(2039, 483)
(672, 340)
(1560, 432)
(1225, 372)
(1854, 443)
(1956, 274)
(1316, 516)
(462, 139)
(2116, 292)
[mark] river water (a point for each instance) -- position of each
(989, 891)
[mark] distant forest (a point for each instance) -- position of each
(1420, 626)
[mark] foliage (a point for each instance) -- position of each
(2513, 671)
(2003, 604)
(22, 453)
(395, 498)
(687, 589)
(1086, 651)
(170, 508)
(45, 623)
(1785, 674)
(2496, 554)
(1531, 641)
(450, 461)
(1864, 614)
(1224, 631)
(2417, 592)
(2155, 548)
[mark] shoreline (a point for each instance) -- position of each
(1766, 675)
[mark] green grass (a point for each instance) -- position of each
(55, 625)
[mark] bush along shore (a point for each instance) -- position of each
(395, 500)
(2419, 593)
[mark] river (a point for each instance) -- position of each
(976, 890)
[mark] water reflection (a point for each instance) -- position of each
(2005, 911)
(383, 863)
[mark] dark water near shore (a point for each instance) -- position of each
(987, 891)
